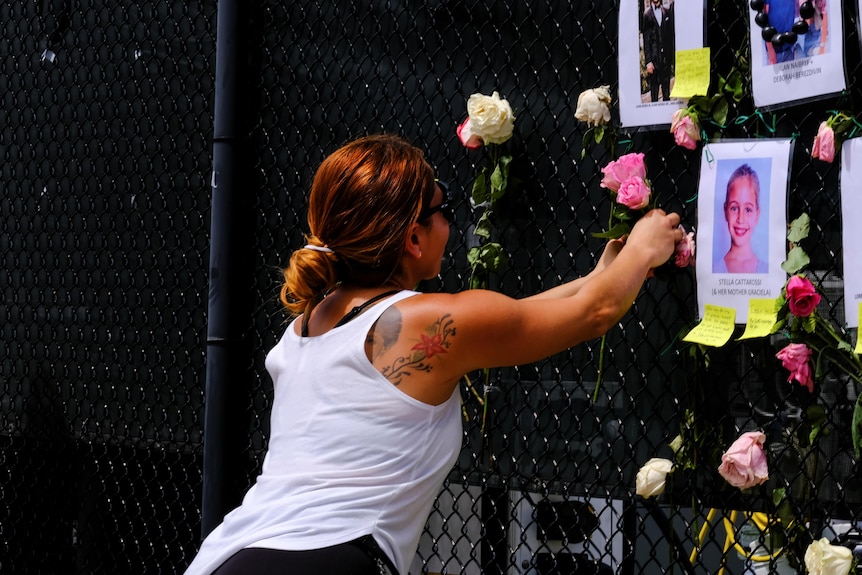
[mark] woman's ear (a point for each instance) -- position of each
(412, 241)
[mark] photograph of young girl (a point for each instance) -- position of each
(742, 222)
(744, 245)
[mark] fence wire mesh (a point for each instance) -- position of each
(106, 132)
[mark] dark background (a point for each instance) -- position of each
(105, 189)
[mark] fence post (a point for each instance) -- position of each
(229, 279)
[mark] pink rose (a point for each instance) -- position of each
(684, 252)
(744, 464)
(633, 193)
(796, 358)
(824, 144)
(468, 138)
(617, 172)
(801, 296)
(685, 131)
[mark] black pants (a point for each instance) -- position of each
(345, 559)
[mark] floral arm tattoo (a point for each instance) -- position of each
(434, 341)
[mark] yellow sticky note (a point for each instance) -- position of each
(762, 316)
(715, 328)
(691, 76)
(859, 331)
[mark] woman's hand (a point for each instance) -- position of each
(656, 235)
(610, 253)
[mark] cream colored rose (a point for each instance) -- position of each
(651, 477)
(593, 106)
(491, 118)
(821, 558)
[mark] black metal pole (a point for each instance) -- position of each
(227, 356)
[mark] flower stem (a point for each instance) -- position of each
(604, 341)
(601, 368)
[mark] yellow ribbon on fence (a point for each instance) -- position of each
(760, 520)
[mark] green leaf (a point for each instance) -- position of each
(703, 105)
(732, 85)
(499, 178)
(799, 229)
(816, 415)
(492, 256)
(480, 193)
(809, 324)
(796, 260)
(484, 226)
(719, 113)
(599, 133)
(621, 212)
(473, 257)
(841, 124)
(618, 231)
(779, 494)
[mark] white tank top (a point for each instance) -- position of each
(349, 453)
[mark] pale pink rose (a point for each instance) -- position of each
(824, 144)
(617, 172)
(684, 252)
(634, 193)
(802, 297)
(796, 358)
(685, 131)
(468, 138)
(744, 464)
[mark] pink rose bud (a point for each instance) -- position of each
(617, 172)
(684, 251)
(824, 144)
(802, 298)
(634, 193)
(468, 138)
(744, 464)
(796, 358)
(685, 131)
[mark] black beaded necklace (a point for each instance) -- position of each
(770, 34)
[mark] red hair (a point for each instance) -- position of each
(363, 199)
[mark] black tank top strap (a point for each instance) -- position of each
(361, 307)
(352, 313)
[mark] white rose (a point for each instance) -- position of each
(491, 118)
(593, 106)
(651, 477)
(821, 558)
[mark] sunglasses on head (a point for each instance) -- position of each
(444, 207)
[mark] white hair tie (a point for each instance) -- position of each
(323, 249)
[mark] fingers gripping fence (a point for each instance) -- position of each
(106, 131)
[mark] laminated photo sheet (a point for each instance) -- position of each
(720, 163)
(809, 74)
(851, 229)
(636, 107)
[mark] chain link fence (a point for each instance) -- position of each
(106, 134)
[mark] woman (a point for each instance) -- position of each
(366, 419)
(742, 213)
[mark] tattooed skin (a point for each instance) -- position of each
(434, 341)
(383, 335)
